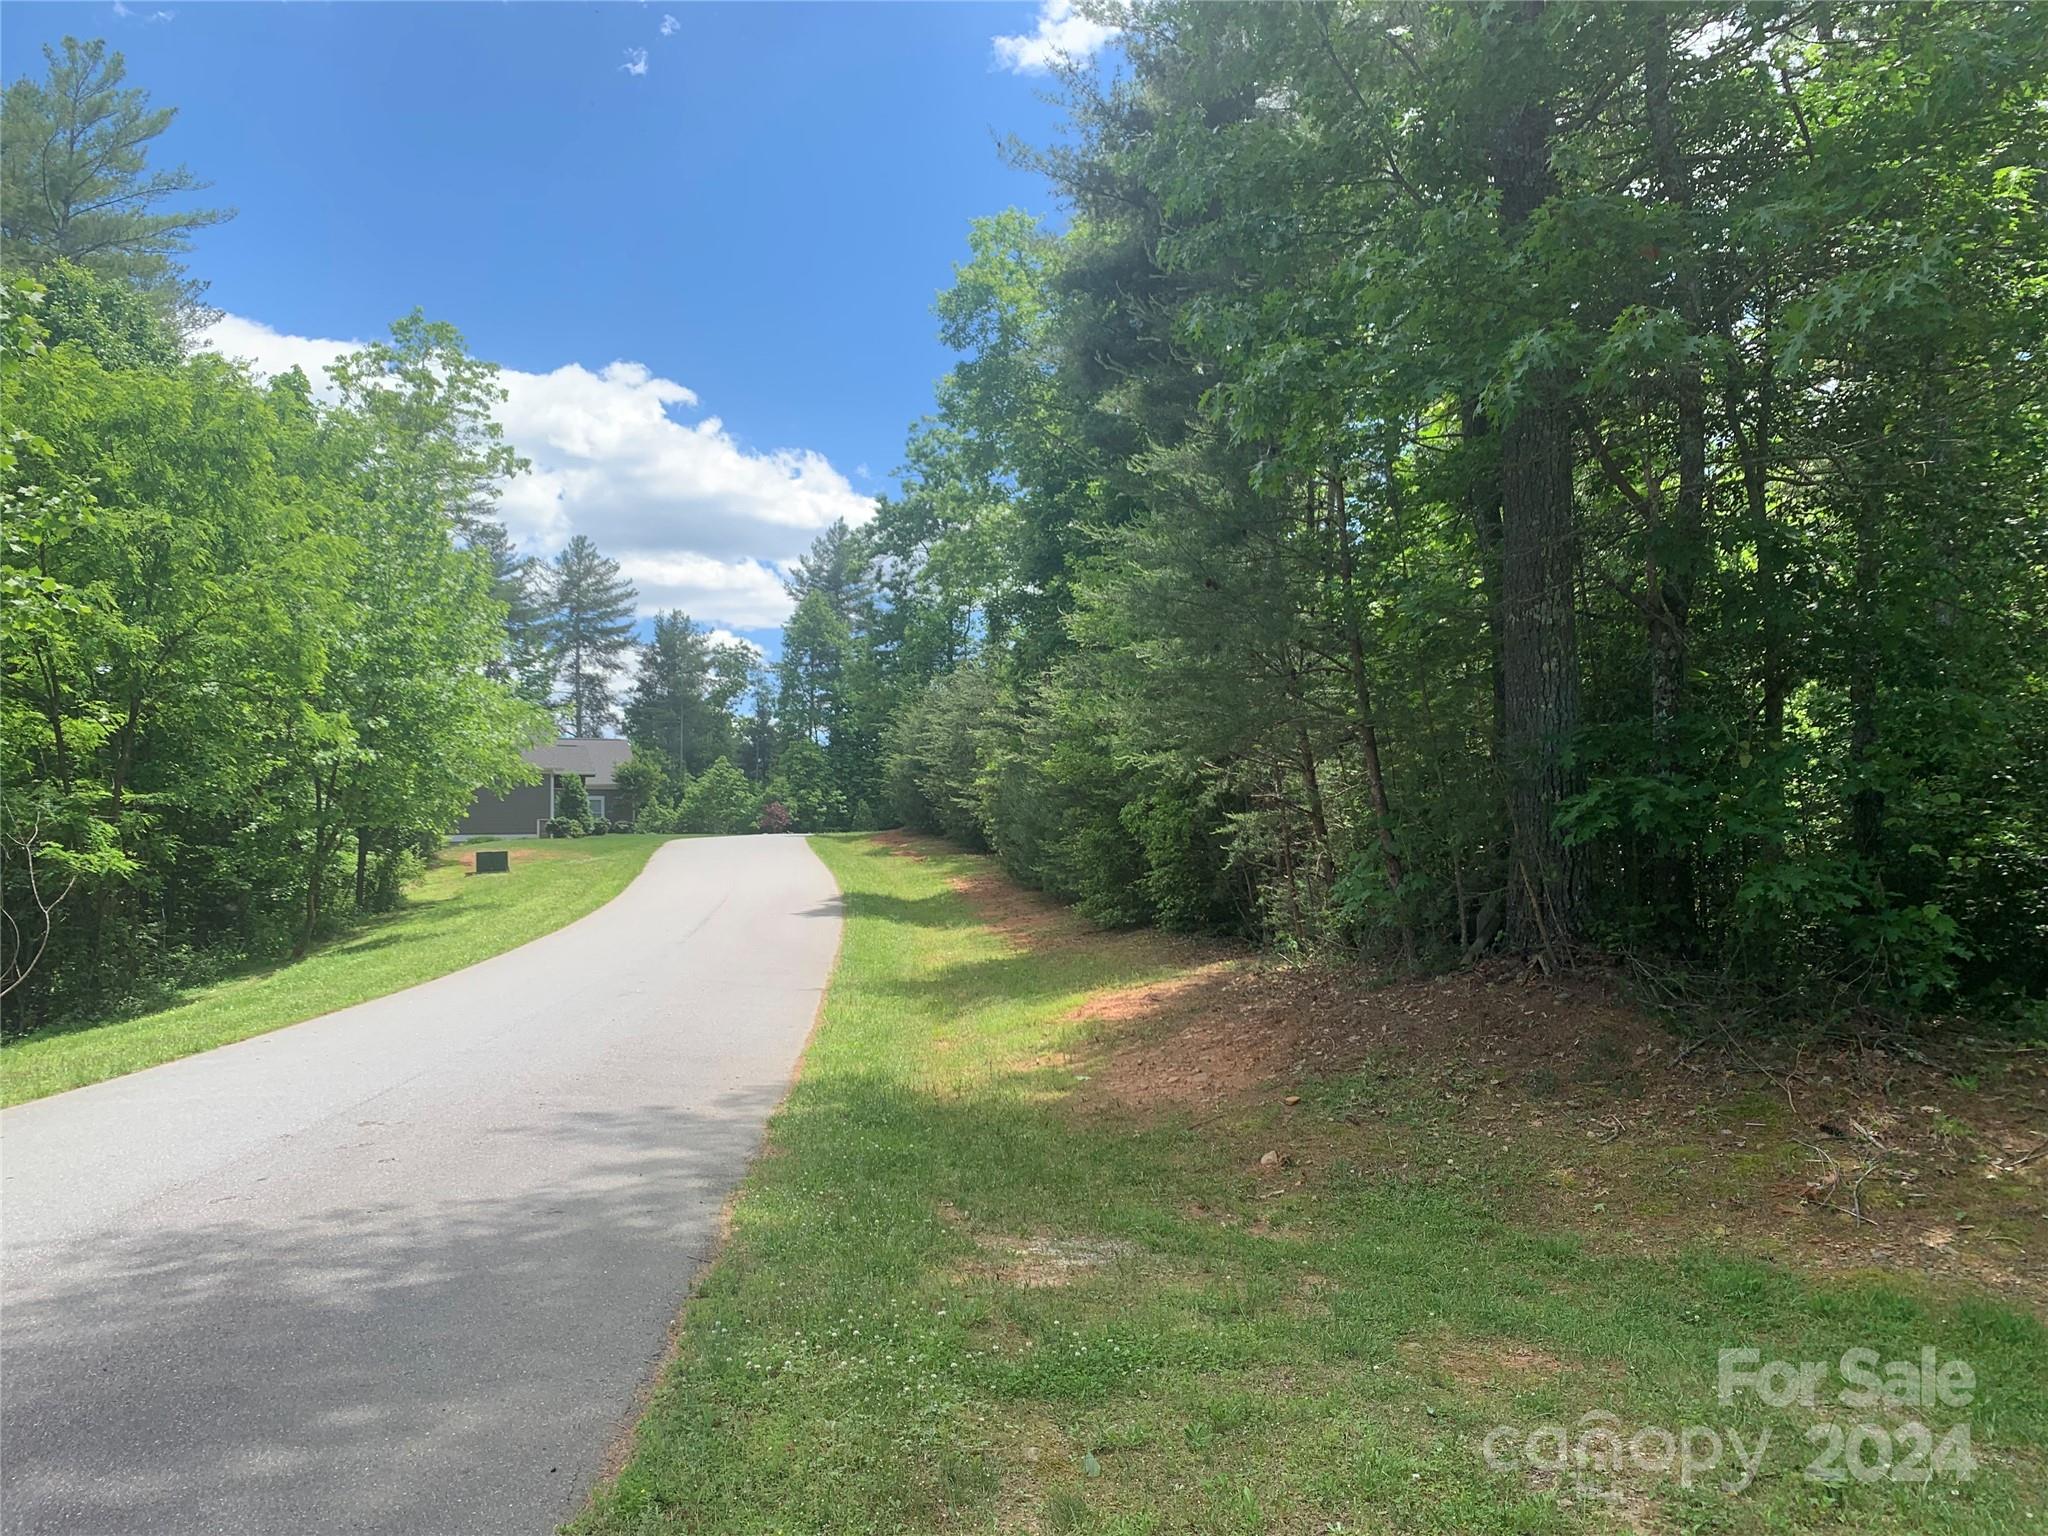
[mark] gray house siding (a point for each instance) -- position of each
(524, 810)
(518, 812)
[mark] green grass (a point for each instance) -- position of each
(451, 919)
(1228, 1349)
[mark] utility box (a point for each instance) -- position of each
(493, 861)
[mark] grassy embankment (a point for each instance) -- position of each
(451, 919)
(966, 1291)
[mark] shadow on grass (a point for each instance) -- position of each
(1328, 1299)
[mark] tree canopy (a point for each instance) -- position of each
(1562, 478)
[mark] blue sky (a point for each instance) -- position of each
(750, 218)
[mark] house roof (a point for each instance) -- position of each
(597, 757)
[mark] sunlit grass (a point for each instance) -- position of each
(451, 919)
(962, 1295)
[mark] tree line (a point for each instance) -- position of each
(263, 642)
(1554, 478)
(266, 640)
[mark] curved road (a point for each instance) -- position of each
(404, 1268)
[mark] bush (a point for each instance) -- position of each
(558, 826)
(644, 777)
(622, 826)
(775, 817)
(572, 800)
(656, 817)
(599, 827)
(721, 801)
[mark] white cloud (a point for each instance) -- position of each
(636, 61)
(670, 26)
(695, 518)
(727, 637)
(1061, 36)
(742, 593)
(273, 352)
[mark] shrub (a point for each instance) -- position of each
(644, 778)
(721, 801)
(572, 800)
(775, 817)
(558, 826)
(599, 827)
(622, 826)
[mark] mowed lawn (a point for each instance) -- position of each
(962, 1294)
(451, 919)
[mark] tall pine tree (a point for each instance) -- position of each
(591, 627)
(76, 184)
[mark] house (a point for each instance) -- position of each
(524, 810)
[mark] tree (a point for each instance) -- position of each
(433, 407)
(804, 784)
(75, 180)
(572, 801)
(679, 703)
(648, 787)
(837, 567)
(814, 644)
(526, 661)
(1522, 475)
(721, 802)
(590, 632)
(419, 679)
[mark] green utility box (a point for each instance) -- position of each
(493, 861)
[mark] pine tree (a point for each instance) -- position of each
(75, 182)
(837, 567)
(526, 661)
(814, 645)
(678, 704)
(590, 629)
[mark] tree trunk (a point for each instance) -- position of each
(1866, 801)
(1484, 504)
(1674, 540)
(1361, 688)
(1753, 445)
(1539, 640)
(363, 835)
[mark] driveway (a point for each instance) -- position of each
(406, 1267)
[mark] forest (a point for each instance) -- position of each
(1455, 480)
(1547, 478)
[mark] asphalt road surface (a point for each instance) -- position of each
(407, 1267)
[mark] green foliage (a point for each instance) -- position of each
(720, 801)
(76, 184)
(245, 650)
(572, 801)
(684, 689)
(1495, 476)
(644, 780)
(590, 631)
(117, 325)
(804, 785)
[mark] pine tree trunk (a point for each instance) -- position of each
(1540, 666)
(1539, 640)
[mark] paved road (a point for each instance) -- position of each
(403, 1268)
